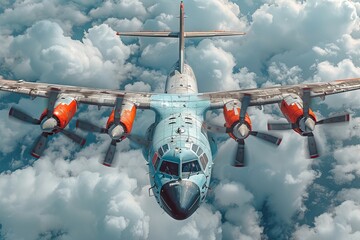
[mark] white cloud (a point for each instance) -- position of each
(123, 8)
(347, 166)
(341, 223)
(97, 61)
(68, 190)
(24, 14)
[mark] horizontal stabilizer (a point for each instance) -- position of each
(212, 34)
(177, 34)
(149, 34)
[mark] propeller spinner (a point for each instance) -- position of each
(115, 131)
(242, 131)
(48, 123)
(306, 124)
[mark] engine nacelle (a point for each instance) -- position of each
(232, 117)
(127, 116)
(292, 108)
(64, 110)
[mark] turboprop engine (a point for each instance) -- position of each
(302, 119)
(118, 126)
(54, 119)
(238, 126)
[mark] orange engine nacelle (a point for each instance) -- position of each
(292, 108)
(127, 117)
(232, 117)
(64, 110)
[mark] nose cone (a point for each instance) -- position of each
(180, 199)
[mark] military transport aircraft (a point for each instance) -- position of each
(177, 146)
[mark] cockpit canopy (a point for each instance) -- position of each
(194, 160)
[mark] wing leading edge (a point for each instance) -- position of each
(106, 97)
(91, 96)
(275, 94)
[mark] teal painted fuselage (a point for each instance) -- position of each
(180, 153)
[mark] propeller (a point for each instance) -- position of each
(49, 124)
(307, 124)
(241, 131)
(115, 131)
(244, 131)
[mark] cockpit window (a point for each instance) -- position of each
(191, 167)
(155, 160)
(165, 148)
(161, 152)
(204, 160)
(199, 152)
(170, 168)
(194, 148)
(157, 163)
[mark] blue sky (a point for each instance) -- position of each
(67, 194)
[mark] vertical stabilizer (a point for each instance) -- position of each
(181, 35)
(181, 38)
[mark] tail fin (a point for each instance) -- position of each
(181, 35)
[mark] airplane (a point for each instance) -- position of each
(177, 146)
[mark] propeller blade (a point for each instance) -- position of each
(313, 151)
(267, 137)
(53, 95)
(109, 158)
(117, 111)
(87, 126)
(336, 119)
(280, 126)
(240, 154)
(39, 145)
(306, 101)
(73, 136)
(22, 116)
(244, 105)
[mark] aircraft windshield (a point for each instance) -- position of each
(191, 167)
(170, 168)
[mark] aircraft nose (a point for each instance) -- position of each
(180, 198)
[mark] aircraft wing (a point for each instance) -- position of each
(92, 96)
(275, 94)
(106, 97)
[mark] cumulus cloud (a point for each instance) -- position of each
(97, 61)
(341, 223)
(67, 190)
(23, 14)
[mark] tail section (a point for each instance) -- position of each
(181, 35)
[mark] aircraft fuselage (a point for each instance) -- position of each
(180, 156)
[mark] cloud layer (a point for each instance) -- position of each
(69, 195)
